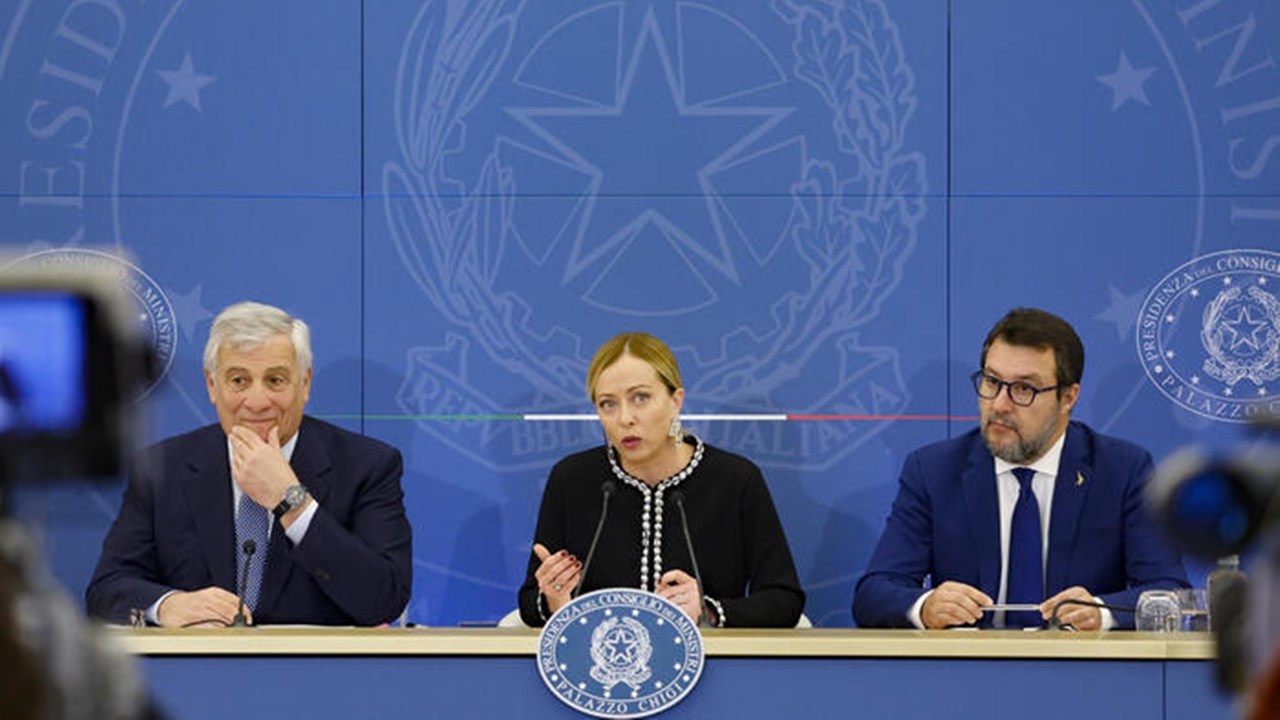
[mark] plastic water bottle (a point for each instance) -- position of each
(1225, 578)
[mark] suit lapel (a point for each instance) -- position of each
(311, 464)
(983, 513)
(208, 490)
(1070, 490)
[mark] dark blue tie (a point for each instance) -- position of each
(252, 522)
(1026, 564)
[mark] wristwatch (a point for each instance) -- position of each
(294, 496)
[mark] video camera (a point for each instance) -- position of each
(71, 364)
(1217, 506)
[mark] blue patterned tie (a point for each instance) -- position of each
(252, 521)
(1026, 564)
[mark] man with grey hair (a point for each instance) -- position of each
(302, 518)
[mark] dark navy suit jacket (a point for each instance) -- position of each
(176, 531)
(945, 525)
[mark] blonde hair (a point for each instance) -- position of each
(641, 346)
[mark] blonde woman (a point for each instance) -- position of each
(652, 467)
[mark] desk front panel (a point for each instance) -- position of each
(749, 674)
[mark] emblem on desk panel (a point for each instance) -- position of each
(1209, 335)
(620, 654)
(621, 650)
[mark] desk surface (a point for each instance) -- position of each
(718, 643)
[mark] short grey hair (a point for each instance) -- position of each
(250, 324)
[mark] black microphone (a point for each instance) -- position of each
(606, 490)
(1056, 624)
(677, 497)
(249, 547)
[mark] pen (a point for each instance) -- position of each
(1012, 607)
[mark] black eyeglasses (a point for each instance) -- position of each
(1020, 392)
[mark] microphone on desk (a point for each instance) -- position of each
(677, 497)
(1056, 624)
(606, 491)
(249, 548)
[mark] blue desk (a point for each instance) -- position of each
(483, 673)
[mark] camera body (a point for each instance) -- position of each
(1218, 506)
(1214, 505)
(71, 364)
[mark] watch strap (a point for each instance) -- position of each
(298, 493)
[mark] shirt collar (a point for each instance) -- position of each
(287, 449)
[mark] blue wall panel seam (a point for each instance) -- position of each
(947, 240)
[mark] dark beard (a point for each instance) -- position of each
(1023, 450)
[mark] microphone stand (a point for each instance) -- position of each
(678, 498)
(606, 490)
(249, 548)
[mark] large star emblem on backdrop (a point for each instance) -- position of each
(650, 157)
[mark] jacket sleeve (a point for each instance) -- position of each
(902, 558)
(364, 563)
(1150, 562)
(128, 574)
(774, 597)
(551, 533)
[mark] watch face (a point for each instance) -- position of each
(295, 495)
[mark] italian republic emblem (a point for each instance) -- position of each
(568, 168)
(1209, 335)
(620, 653)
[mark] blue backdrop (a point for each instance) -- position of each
(821, 205)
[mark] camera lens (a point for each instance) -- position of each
(1212, 513)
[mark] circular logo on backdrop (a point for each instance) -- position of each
(151, 309)
(620, 654)
(1209, 335)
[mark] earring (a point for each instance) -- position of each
(674, 431)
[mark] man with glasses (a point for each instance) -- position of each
(1028, 515)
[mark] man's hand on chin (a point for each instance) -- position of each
(258, 466)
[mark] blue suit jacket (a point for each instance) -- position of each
(945, 524)
(176, 531)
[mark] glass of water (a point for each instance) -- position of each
(1195, 610)
(1159, 611)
